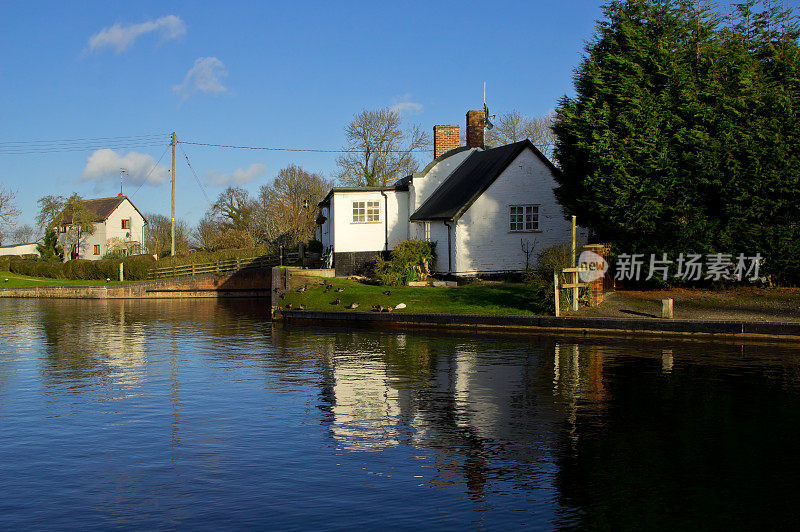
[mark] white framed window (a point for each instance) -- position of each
(427, 231)
(366, 212)
(523, 218)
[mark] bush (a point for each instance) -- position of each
(411, 260)
(551, 259)
(314, 246)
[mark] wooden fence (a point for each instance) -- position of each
(220, 266)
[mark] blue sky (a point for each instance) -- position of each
(285, 74)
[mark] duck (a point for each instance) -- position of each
(336, 301)
(353, 306)
(377, 308)
(340, 289)
(387, 292)
(301, 307)
(400, 306)
(289, 306)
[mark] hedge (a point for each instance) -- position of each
(136, 268)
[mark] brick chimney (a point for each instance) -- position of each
(475, 123)
(445, 138)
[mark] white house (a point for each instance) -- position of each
(118, 225)
(480, 206)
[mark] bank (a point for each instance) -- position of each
(584, 326)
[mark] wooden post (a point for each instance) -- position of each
(555, 285)
(575, 281)
(574, 219)
(666, 308)
(193, 269)
(121, 272)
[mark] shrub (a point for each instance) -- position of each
(314, 246)
(551, 259)
(411, 260)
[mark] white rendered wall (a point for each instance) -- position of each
(422, 187)
(482, 238)
(369, 236)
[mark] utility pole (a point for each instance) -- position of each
(172, 226)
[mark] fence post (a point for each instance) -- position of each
(555, 285)
(238, 264)
(121, 274)
(193, 269)
(575, 280)
(281, 256)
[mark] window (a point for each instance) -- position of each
(524, 218)
(97, 249)
(427, 231)
(126, 224)
(366, 212)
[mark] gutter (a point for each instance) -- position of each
(385, 221)
(449, 239)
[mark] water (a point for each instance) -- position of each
(199, 414)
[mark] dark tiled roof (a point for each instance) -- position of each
(101, 207)
(470, 180)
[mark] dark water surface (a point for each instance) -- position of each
(200, 414)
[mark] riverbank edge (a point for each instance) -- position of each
(245, 283)
(788, 331)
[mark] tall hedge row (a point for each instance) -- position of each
(136, 268)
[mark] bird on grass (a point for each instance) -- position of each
(108, 280)
(328, 287)
(289, 306)
(301, 307)
(387, 292)
(387, 309)
(400, 306)
(302, 289)
(282, 296)
(353, 305)
(336, 301)
(340, 289)
(6, 280)
(377, 308)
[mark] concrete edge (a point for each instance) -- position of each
(789, 331)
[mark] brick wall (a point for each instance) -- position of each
(445, 138)
(475, 129)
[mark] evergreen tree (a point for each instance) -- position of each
(683, 135)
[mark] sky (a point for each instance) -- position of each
(89, 87)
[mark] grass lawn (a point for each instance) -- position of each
(16, 281)
(483, 298)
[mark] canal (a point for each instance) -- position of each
(201, 414)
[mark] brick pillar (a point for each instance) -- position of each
(596, 286)
(475, 123)
(445, 138)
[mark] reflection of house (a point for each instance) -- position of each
(365, 405)
(118, 226)
(478, 205)
(28, 248)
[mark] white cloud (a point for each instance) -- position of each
(121, 37)
(404, 105)
(238, 177)
(205, 76)
(105, 164)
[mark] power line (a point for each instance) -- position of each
(151, 171)
(265, 148)
(197, 180)
(83, 140)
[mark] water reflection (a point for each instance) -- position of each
(137, 413)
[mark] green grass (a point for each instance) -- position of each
(18, 281)
(516, 299)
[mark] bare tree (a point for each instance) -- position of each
(8, 210)
(23, 233)
(70, 217)
(287, 207)
(158, 237)
(381, 150)
(234, 209)
(208, 228)
(513, 126)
